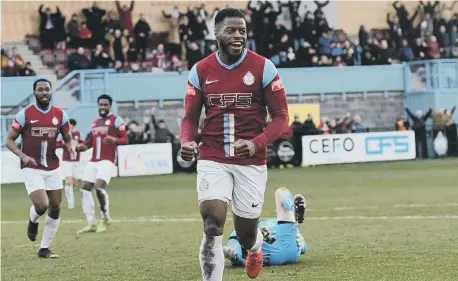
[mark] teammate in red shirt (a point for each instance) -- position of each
(39, 125)
(236, 86)
(71, 166)
(106, 134)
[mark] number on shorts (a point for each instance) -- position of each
(98, 147)
(43, 153)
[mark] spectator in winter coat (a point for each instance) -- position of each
(419, 127)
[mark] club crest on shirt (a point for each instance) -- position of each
(108, 122)
(55, 121)
(248, 79)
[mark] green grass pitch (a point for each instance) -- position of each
(383, 221)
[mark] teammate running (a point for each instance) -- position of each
(283, 243)
(106, 134)
(39, 126)
(235, 85)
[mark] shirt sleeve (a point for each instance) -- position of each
(193, 78)
(122, 133)
(269, 73)
(19, 122)
(65, 126)
(118, 122)
(193, 108)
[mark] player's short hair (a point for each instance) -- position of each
(228, 13)
(72, 122)
(105, 97)
(41, 80)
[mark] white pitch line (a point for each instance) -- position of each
(442, 217)
(399, 206)
(158, 220)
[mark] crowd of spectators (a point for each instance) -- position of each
(150, 130)
(429, 33)
(14, 65)
(327, 126)
(306, 41)
(442, 123)
(100, 39)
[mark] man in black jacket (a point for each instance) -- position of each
(419, 127)
(142, 31)
(48, 27)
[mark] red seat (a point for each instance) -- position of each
(47, 57)
(61, 56)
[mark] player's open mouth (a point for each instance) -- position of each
(236, 45)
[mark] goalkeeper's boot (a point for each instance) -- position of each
(88, 229)
(300, 206)
(103, 225)
(267, 236)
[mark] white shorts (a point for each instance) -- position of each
(101, 170)
(71, 169)
(243, 185)
(35, 179)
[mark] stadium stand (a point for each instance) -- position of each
(304, 39)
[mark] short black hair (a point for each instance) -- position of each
(72, 122)
(228, 13)
(105, 97)
(40, 80)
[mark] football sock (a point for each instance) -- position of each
(284, 205)
(49, 231)
(104, 201)
(211, 258)
(87, 202)
(33, 215)
(69, 195)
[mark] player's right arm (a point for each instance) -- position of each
(13, 134)
(86, 144)
(190, 124)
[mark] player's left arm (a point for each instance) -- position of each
(59, 143)
(120, 131)
(85, 145)
(65, 131)
(275, 97)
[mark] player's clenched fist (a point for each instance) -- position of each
(28, 160)
(244, 148)
(109, 140)
(81, 147)
(188, 150)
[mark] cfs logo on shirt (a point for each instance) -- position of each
(239, 100)
(387, 144)
(43, 132)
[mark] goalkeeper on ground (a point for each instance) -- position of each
(283, 243)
